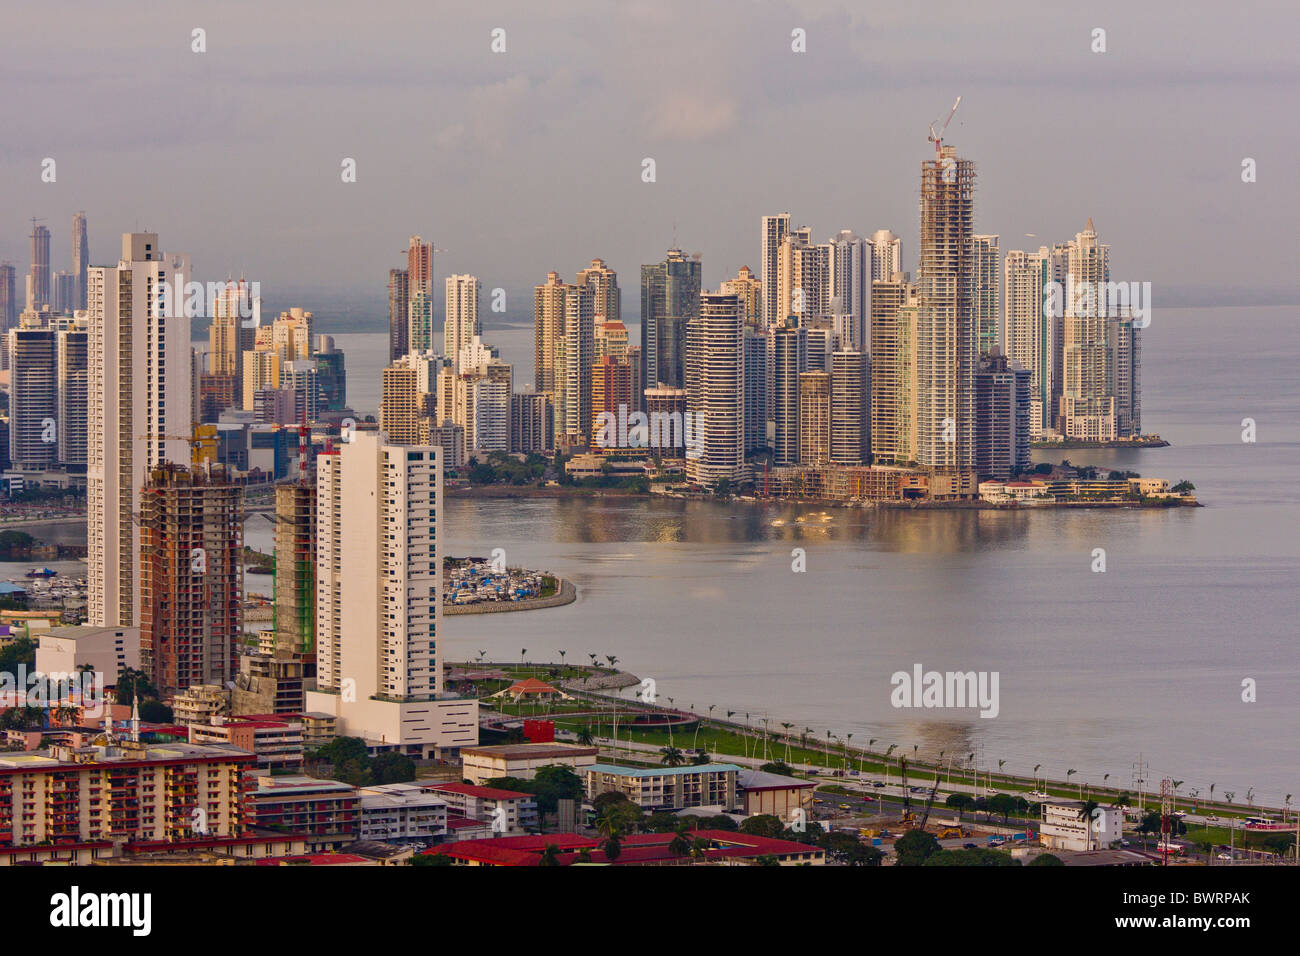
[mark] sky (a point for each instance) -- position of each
(530, 160)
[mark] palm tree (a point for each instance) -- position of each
(1085, 814)
(1036, 766)
(681, 843)
(612, 660)
(699, 848)
(1068, 775)
(612, 846)
(672, 757)
(786, 727)
(550, 856)
(586, 737)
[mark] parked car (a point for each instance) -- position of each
(969, 846)
(877, 784)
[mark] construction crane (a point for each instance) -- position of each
(937, 138)
(196, 442)
(925, 817)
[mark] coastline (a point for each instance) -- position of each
(567, 594)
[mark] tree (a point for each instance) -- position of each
(430, 859)
(392, 767)
(847, 848)
(778, 766)
(155, 712)
(914, 847)
(672, 756)
(976, 857)
(550, 856)
(1046, 859)
(764, 825)
(681, 843)
(1003, 803)
(1183, 487)
(1086, 813)
(613, 846)
(586, 737)
(553, 784)
(959, 802)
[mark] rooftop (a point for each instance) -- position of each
(663, 771)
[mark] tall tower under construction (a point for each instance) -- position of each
(191, 573)
(295, 570)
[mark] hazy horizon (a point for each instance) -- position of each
(521, 162)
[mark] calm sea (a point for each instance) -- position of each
(1096, 670)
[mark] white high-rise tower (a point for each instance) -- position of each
(139, 416)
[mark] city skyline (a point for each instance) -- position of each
(496, 186)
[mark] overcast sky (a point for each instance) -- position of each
(530, 160)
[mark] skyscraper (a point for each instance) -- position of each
(1088, 395)
(749, 291)
(8, 307)
(419, 274)
(789, 361)
(191, 576)
(72, 358)
(1002, 426)
(803, 278)
(548, 328)
(379, 642)
(139, 411)
(757, 347)
(80, 259)
(606, 299)
(1028, 336)
(716, 398)
(894, 308)
(295, 569)
(987, 274)
(814, 418)
(575, 350)
(39, 294)
(849, 418)
(886, 255)
(398, 306)
(849, 274)
(775, 229)
(670, 299)
(947, 337)
(461, 323)
(33, 394)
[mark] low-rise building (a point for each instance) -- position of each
(720, 847)
(774, 793)
(65, 650)
(504, 811)
(276, 739)
(480, 764)
(327, 812)
(199, 704)
(1064, 828)
(667, 788)
(402, 811)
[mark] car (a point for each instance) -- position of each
(1125, 843)
(854, 773)
(818, 800)
(877, 784)
(845, 806)
(917, 789)
(969, 846)
(1225, 856)
(1211, 819)
(997, 843)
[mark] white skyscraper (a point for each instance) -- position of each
(775, 229)
(850, 287)
(379, 599)
(886, 255)
(139, 398)
(462, 321)
(1029, 334)
(986, 275)
(716, 396)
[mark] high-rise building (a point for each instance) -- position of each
(757, 348)
(191, 576)
(611, 340)
(849, 274)
(748, 290)
(789, 361)
(532, 422)
(716, 398)
(419, 277)
(1028, 335)
(814, 418)
(39, 294)
(803, 278)
(63, 290)
(775, 229)
(80, 260)
(33, 393)
(379, 641)
(408, 396)
(548, 329)
(261, 370)
(331, 374)
(71, 354)
(300, 377)
(1126, 373)
(850, 395)
(611, 388)
(295, 569)
(462, 323)
(1002, 416)
(236, 316)
(894, 308)
(987, 273)
(670, 299)
(886, 255)
(139, 411)
(8, 307)
(947, 338)
(398, 306)
(1087, 408)
(573, 360)
(606, 301)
